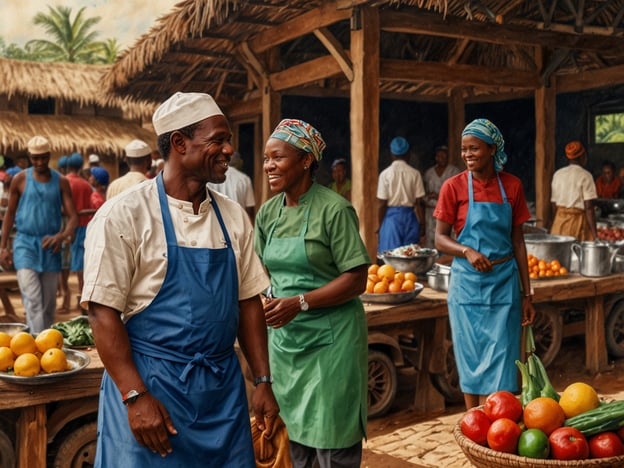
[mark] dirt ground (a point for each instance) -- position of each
(404, 439)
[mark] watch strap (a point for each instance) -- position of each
(132, 396)
(263, 379)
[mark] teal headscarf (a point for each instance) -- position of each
(301, 135)
(485, 130)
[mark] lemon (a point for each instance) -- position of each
(6, 358)
(5, 339)
(26, 365)
(578, 398)
(54, 360)
(49, 338)
(23, 342)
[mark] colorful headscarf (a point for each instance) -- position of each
(574, 149)
(301, 135)
(485, 130)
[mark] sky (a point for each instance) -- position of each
(124, 20)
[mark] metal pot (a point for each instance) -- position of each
(618, 264)
(438, 277)
(595, 258)
(550, 247)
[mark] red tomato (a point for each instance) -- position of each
(567, 443)
(605, 444)
(474, 425)
(503, 435)
(502, 404)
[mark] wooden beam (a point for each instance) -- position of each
(449, 26)
(545, 127)
(456, 123)
(573, 83)
(243, 109)
(364, 124)
(336, 50)
(304, 73)
(458, 74)
(252, 59)
(301, 25)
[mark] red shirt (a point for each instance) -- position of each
(81, 193)
(608, 190)
(452, 206)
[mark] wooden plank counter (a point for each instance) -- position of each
(31, 400)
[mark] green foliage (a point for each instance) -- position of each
(69, 40)
(610, 128)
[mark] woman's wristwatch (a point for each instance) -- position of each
(263, 379)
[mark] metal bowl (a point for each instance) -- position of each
(392, 298)
(77, 361)
(419, 263)
(13, 328)
(439, 277)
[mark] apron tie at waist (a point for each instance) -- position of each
(502, 260)
(201, 360)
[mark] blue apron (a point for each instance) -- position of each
(183, 347)
(399, 227)
(485, 308)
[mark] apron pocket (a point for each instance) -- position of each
(304, 334)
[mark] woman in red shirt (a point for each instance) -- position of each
(489, 295)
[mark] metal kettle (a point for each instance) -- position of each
(595, 258)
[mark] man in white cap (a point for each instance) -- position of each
(36, 198)
(400, 200)
(237, 187)
(94, 160)
(171, 280)
(138, 158)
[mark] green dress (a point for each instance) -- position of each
(319, 360)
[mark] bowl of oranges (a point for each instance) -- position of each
(387, 285)
(540, 269)
(30, 359)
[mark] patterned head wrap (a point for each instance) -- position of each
(485, 130)
(574, 149)
(301, 135)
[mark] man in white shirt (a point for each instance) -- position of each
(139, 160)
(237, 186)
(400, 197)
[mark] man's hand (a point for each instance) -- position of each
(151, 425)
(265, 409)
(6, 259)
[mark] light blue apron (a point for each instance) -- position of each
(485, 308)
(399, 227)
(183, 347)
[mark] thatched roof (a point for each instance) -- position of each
(67, 134)
(483, 48)
(67, 81)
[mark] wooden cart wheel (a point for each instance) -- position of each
(614, 330)
(447, 382)
(382, 383)
(548, 332)
(7, 451)
(77, 449)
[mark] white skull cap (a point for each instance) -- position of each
(38, 145)
(137, 149)
(182, 110)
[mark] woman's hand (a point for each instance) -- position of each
(528, 311)
(479, 261)
(281, 311)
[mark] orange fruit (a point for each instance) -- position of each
(410, 276)
(563, 271)
(544, 414)
(399, 276)
(369, 286)
(407, 285)
(555, 265)
(49, 338)
(374, 278)
(541, 265)
(7, 358)
(54, 360)
(5, 339)
(372, 270)
(23, 342)
(386, 271)
(395, 286)
(26, 365)
(578, 398)
(381, 287)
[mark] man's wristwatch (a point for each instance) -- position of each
(303, 304)
(263, 379)
(132, 396)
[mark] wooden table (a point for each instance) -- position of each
(78, 392)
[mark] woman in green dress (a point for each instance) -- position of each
(307, 237)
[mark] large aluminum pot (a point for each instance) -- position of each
(439, 277)
(595, 258)
(550, 247)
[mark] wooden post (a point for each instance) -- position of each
(271, 112)
(364, 120)
(456, 123)
(545, 123)
(31, 435)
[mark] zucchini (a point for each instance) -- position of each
(606, 417)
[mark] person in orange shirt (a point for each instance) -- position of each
(608, 185)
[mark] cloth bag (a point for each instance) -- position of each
(273, 452)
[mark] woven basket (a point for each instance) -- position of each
(483, 457)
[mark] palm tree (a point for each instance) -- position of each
(74, 41)
(110, 50)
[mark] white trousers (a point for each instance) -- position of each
(39, 297)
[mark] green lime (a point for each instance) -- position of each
(533, 443)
